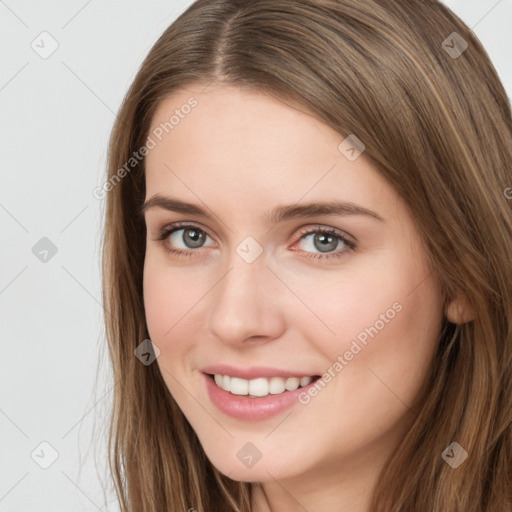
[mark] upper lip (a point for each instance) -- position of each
(253, 372)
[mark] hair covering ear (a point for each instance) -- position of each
(459, 310)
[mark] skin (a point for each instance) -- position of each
(239, 154)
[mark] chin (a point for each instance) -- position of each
(267, 468)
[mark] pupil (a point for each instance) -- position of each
(193, 237)
(326, 242)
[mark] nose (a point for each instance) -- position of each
(247, 303)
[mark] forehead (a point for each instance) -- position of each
(234, 142)
(226, 119)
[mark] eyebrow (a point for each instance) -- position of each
(278, 214)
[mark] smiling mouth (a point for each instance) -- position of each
(262, 386)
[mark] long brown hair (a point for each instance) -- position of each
(436, 123)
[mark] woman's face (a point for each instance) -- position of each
(298, 261)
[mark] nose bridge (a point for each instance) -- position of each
(241, 302)
(243, 286)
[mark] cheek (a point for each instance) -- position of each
(386, 333)
(347, 301)
(176, 309)
(168, 303)
(168, 295)
(387, 313)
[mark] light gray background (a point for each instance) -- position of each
(56, 116)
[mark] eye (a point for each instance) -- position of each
(180, 238)
(183, 238)
(329, 242)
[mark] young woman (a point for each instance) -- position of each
(307, 264)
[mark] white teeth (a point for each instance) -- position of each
(239, 386)
(261, 386)
(292, 383)
(304, 381)
(258, 387)
(276, 385)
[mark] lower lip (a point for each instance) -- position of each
(247, 408)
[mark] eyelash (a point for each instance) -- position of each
(177, 226)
